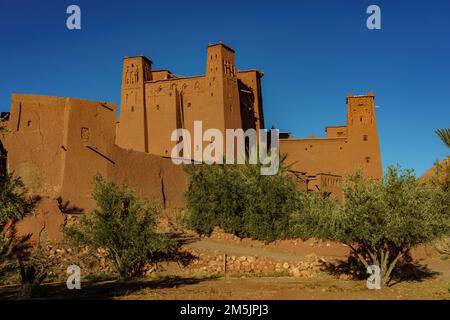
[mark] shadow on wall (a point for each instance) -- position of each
(3, 158)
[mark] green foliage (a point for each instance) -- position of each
(14, 203)
(125, 225)
(441, 180)
(16, 252)
(3, 127)
(380, 221)
(240, 200)
(441, 177)
(318, 216)
(444, 134)
(33, 271)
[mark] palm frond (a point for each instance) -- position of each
(444, 134)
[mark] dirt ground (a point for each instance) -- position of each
(321, 286)
(280, 288)
(175, 285)
(224, 287)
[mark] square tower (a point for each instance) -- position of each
(132, 128)
(363, 142)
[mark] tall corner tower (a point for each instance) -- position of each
(223, 86)
(132, 128)
(363, 141)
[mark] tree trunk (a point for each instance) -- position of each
(387, 276)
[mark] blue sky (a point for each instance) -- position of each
(312, 53)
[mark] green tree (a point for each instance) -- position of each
(380, 221)
(238, 199)
(14, 206)
(441, 179)
(15, 250)
(444, 134)
(14, 202)
(125, 225)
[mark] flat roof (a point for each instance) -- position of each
(174, 79)
(139, 56)
(259, 71)
(315, 138)
(161, 70)
(221, 44)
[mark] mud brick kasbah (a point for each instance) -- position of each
(56, 144)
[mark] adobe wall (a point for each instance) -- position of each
(329, 183)
(56, 145)
(252, 81)
(151, 176)
(336, 132)
(89, 133)
(316, 155)
(34, 142)
(132, 128)
(345, 148)
(176, 104)
(363, 135)
(155, 103)
(3, 155)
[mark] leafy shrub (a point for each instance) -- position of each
(16, 252)
(240, 200)
(441, 179)
(125, 225)
(380, 221)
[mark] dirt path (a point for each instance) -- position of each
(280, 288)
(321, 286)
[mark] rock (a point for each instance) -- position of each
(305, 274)
(286, 265)
(344, 276)
(295, 272)
(310, 257)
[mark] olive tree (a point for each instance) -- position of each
(125, 225)
(238, 199)
(380, 220)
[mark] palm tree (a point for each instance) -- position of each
(444, 134)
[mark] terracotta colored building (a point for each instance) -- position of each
(323, 162)
(57, 144)
(156, 102)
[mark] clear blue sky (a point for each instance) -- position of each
(312, 52)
